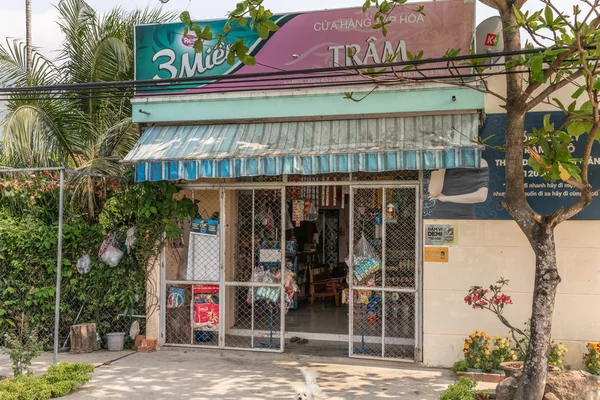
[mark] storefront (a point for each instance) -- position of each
(290, 176)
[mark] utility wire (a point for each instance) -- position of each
(300, 85)
(208, 79)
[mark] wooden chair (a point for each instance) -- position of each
(321, 284)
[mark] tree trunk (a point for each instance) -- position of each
(28, 42)
(534, 226)
(533, 378)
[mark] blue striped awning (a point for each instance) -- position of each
(306, 148)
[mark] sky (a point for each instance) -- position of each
(47, 36)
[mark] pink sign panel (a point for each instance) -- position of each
(306, 41)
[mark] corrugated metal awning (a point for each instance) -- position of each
(306, 148)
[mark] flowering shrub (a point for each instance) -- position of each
(476, 351)
(501, 352)
(591, 359)
(491, 298)
(557, 355)
(494, 300)
(22, 348)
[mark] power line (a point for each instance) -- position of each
(208, 79)
(227, 84)
(269, 87)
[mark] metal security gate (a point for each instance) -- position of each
(225, 287)
(384, 285)
(253, 281)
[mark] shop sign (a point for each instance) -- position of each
(436, 254)
(471, 193)
(310, 40)
(441, 235)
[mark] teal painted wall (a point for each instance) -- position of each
(403, 101)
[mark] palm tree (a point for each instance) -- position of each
(90, 132)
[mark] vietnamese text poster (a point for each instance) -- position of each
(475, 193)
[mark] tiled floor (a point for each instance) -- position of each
(322, 317)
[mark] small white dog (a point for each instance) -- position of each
(311, 389)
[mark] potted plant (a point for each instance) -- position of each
(591, 359)
(476, 352)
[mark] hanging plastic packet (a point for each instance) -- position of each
(112, 255)
(366, 260)
(84, 264)
(129, 242)
(134, 330)
(313, 212)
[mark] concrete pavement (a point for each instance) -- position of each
(213, 374)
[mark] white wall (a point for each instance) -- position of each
(488, 250)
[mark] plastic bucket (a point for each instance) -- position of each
(115, 341)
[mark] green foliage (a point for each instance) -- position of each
(551, 152)
(22, 347)
(463, 389)
(459, 366)
(60, 380)
(247, 13)
(28, 248)
(90, 134)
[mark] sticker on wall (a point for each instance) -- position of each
(441, 235)
(436, 254)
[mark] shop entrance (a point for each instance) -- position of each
(307, 267)
(384, 305)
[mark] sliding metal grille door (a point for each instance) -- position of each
(384, 288)
(253, 274)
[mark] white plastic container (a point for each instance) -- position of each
(115, 341)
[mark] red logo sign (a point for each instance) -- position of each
(491, 40)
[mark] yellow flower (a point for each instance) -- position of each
(469, 341)
(476, 331)
(482, 333)
(560, 361)
(598, 362)
(590, 364)
(472, 335)
(501, 346)
(553, 363)
(478, 360)
(488, 338)
(485, 346)
(471, 356)
(487, 353)
(501, 358)
(496, 348)
(514, 357)
(597, 356)
(511, 352)
(559, 354)
(466, 346)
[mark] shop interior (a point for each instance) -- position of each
(315, 301)
(317, 241)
